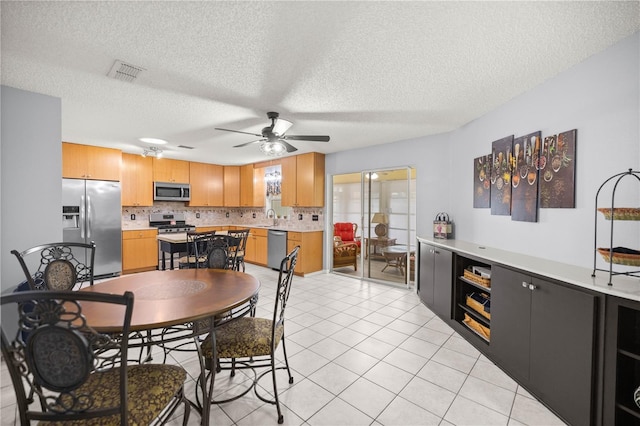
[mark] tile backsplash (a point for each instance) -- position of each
(210, 216)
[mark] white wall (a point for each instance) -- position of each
(30, 154)
(599, 97)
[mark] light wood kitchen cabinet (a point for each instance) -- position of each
(252, 190)
(303, 180)
(90, 162)
(259, 187)
(139, 250)
(256, 250)
(168, 170)
(137, 180)
(310, 253)
(207, 187)
(231, 186)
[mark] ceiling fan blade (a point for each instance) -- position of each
(307, 138)
(248, 143)
(238, 131)
(290, 148)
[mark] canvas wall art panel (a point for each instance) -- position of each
(482, 182)
(524, 180)
(501, 153)
(558, 170)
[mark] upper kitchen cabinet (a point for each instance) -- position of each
(137, 180)
(207, 189)
(167, 170)
(303, 180)
(251, 186)
(231, 186)
(90, 162)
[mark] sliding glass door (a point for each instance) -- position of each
(381, 204)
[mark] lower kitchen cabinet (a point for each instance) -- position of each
(543, 334)
(434, 279)
(256, 250)
(310, 253)
(622, 362)
(139, 250)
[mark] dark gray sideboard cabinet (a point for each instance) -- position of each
(434, 279)
(622, 362)
(543, 334)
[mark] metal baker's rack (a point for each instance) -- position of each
(613, 214)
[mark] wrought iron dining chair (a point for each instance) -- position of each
(242, 235)
(60, 266)
(65, 371)
(194, 239)
(250, 343)
(57, 266)
(215, 252)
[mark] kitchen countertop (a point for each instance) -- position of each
(623, 286)
(276, 228)
(181, 237)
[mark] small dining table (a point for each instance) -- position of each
(396, 256)
(188, 298)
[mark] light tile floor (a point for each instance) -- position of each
(362, 353)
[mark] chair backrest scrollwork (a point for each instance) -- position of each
(58, 266)
(58, 358)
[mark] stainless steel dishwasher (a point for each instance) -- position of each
(276, 248)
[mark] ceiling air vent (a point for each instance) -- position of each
(123, 71)
(185, 147)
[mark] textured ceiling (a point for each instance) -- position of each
(365, 73)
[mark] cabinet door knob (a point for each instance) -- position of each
(436, 252)
(532, 287)
(525, 284)
(432, 251)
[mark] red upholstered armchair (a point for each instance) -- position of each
(347, 233)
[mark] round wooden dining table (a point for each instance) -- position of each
(185, 299)
(174, 297)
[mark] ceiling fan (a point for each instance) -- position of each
(273, 137)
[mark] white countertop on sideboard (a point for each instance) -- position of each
(623, 286)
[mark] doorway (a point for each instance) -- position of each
(381, 205)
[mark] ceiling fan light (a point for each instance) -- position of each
(153, 151)
(273, 149)
(281, 126)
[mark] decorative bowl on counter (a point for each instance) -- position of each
(623, 213)
(621, 256)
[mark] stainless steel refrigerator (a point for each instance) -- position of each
(91, 212)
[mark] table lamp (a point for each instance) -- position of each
(381, 228)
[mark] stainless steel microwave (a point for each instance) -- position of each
(168, 191)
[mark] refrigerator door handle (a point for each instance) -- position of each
(88, 216)
(82, 216)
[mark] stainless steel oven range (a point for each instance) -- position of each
(169, 223)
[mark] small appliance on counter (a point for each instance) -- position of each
(170, 223)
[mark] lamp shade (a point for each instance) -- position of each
(381, 229)
(380, 218)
